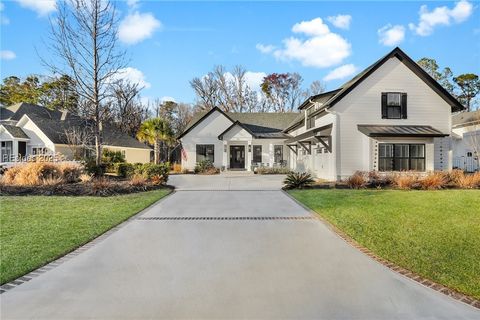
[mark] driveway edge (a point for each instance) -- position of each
(392, 266)
(75, 252)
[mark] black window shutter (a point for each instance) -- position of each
(404, 106)
(384, 105)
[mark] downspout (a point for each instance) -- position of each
(335, 139)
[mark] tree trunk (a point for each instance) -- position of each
(156, 151)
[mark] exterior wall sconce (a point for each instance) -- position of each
(225, 148)
(249, 148)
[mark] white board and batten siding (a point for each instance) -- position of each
(205, 132)
(362, 105)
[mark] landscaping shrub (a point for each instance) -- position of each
(138, 180)
(149, 170)
(70, 171)
(433, 181)
(358, 180)
(455, 176)
(469, 181)
(124, 170)
(298, 180)
(177, 168)
(272, 170)
(52, 181)
(206, 167)
(96, 170)
(85, 177)
(405, 181)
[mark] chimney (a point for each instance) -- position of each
(64, 115)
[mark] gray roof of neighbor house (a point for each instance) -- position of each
(52, 125)
(260, 124)
(15, 131)
(463, 119)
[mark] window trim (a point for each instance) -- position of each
(253, 153)
(393, 157)
(402, 107)
(206, 156)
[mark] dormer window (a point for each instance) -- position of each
(394, 105)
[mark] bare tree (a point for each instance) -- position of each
(316, 87)
(80, 140)
(84, 37)
(126, 110)
(206, 90)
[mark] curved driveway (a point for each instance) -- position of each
(230, 253)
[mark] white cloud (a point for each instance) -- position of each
(441, 16)
(254, 79)
(7, 55)
(341, 21)
(314, 27)
(42, 7)
(391, 35)
(137, 27)
(340, 72)
(3, 19)
(132, 3)
(167, 98)
(132, 75)
(264, 48)
(321, 48)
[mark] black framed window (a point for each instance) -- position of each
(401, 157)
(278, 153)
(205, 152)
(394, 105)
(257, 154)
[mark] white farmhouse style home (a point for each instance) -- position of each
(391, 117)
(466, 140)
(28, 130)
(236, 141)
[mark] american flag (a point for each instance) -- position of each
(184, 154)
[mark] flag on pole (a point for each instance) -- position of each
(184, 154)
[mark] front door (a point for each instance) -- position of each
(22, 148)
(237, 157)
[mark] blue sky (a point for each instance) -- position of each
(171, 42)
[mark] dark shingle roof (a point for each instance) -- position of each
(400, 131)
(261, 124)
(16, 132)
(54, 128)
(466, 118)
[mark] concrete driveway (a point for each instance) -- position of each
(221, 255)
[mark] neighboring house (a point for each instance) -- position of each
(466, 140)
(240, 141)
(28, 130)
(391, 117)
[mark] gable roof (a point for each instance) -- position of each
(464, 119)
(259, 124)
(15, 131)
(50, 123)
(405, 59)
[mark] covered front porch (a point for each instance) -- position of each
(244, 150)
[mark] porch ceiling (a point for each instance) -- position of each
(325, 131)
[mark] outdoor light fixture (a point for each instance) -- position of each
(249, 148)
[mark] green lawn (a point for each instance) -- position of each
(433, 233)
(35, 230)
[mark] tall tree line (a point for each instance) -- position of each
(465, 87)
(231, 92)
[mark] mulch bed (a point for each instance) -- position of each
(78, 189)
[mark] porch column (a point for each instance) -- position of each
(225, 155)
(248, 155)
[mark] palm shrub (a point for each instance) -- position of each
(298, 180)
(154, 131)
(124, 170)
